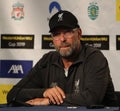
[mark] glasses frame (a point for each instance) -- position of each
(68, 33)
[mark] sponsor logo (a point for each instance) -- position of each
(47, 42)
(4, 89)
(14, 68)
(93, 11)
(17, 11)
(117, 42)
(17, 41)
(54, 7)
(98, 41)
(118, 10)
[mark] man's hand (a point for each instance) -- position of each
(38, 101)
(55, 95)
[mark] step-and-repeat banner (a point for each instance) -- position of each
(24, 36)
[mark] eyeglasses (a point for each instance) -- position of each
(67, 34)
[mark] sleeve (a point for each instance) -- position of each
(31, 85)
(95, 82)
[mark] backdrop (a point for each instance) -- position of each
(25, 38)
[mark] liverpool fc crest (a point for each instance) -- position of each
(17, 12)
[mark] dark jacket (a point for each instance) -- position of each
(88, 82)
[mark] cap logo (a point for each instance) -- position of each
(60, 17)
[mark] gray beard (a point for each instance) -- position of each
(70, 54)
(66, 53)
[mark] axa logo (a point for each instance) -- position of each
(15, 69)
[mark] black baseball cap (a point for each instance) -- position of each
(63, 19)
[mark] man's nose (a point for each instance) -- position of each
(62, 37)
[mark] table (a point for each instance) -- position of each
(55, 108)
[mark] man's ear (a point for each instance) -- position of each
(80, 31)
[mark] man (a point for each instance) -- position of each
(74, 74)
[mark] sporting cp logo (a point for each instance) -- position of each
(93, 10)
(17, 12)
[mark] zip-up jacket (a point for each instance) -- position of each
(88, 81)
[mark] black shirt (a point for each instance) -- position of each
(88, 81)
